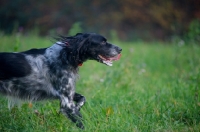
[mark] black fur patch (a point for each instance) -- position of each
(13, 65)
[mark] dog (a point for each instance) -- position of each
(51, 73)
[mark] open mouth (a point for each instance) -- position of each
(109, 60)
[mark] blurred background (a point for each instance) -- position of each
(128, 19)
(155, 86)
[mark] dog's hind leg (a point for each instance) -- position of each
(79, 99)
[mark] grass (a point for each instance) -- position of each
(153, 87)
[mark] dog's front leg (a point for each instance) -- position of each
(68, 108)
(79, 99)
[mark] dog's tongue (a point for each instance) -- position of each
(115, 58)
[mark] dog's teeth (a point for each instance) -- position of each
(109, 63)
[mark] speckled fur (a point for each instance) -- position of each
(51, 73)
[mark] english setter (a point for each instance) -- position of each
(50, 73)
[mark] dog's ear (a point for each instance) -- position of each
(82, 47)
(82, 43)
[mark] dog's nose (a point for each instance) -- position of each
(119, 49)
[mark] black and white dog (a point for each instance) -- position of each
(50, 73)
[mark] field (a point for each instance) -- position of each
(153, 87)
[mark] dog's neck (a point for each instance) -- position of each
(69, 57)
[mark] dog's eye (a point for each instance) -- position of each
(103, 42)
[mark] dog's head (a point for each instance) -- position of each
(92, 46)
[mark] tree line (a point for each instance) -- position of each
(146, 19)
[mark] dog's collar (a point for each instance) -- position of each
(63, 43)
(80, 64)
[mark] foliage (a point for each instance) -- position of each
(151, 88)
(191, 37)
(76, 28)
(194, 31)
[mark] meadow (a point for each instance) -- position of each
(154, 87)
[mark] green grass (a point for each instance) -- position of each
(153, 87)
